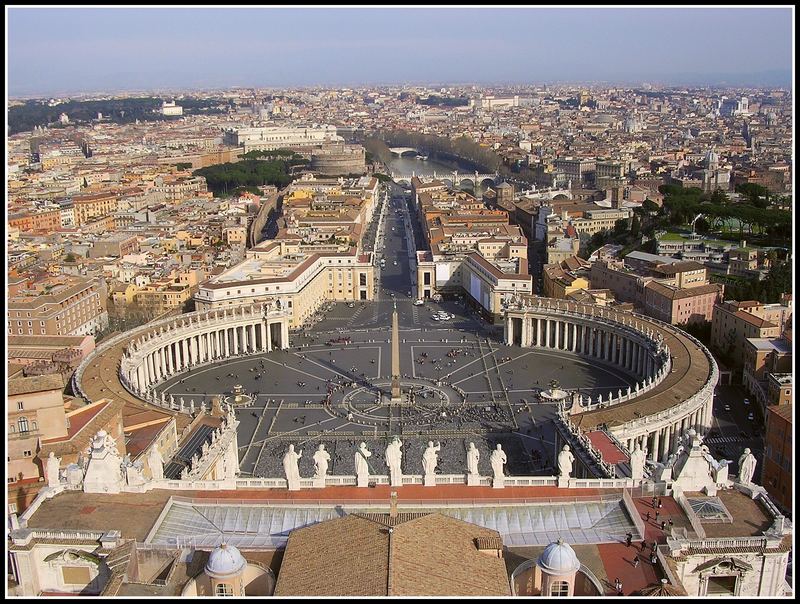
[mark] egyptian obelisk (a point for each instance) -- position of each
(397, 396)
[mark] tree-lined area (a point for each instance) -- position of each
(24, 118)
(227, 179)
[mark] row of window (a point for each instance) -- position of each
(22, 425)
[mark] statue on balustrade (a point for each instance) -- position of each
(565, 461)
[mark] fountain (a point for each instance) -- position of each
(554, 393)
(239, 398)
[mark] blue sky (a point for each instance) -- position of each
(88, 49)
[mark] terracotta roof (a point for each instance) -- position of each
(784, 411)
(678, 293)
(38, 383)
(428, 555)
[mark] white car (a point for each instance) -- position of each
(395, 262)
(418, 302)
(747, 401)
(750, 416)
(435, 318)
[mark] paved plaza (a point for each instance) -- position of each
(331, 386)
(468, 387)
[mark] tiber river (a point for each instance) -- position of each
(409, 165)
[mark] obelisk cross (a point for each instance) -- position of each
(396, 395)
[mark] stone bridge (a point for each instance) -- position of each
(452, 179)
(401, 151)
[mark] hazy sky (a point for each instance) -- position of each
(88, 49)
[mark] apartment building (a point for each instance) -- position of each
(734, 322)
(762, 358)
(58, 307)
(159, 297)
(35, 410)
(568, 276)
(658, 294)
(680, 305)
(777, 474)
(43, 221)
(91, 206)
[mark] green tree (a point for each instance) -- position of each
(636, 226)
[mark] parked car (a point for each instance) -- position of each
(418, 302)
(727, 407)
(750, 416)
(746, 401)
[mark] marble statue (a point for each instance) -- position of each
(394, 458)
(473, 456)
(290, 468)
(362, 467)
(104, 472)
(321, 459)
(429, 461)
(498, 459)
(565, 460)
(637, 463)
(133, 474)
(51, 472)
(156, 463)
(747, 466)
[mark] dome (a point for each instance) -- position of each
(558, 559)
(225, 561)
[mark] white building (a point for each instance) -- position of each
(269, 138)
(170, 108)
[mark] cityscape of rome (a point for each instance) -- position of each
(399, 302)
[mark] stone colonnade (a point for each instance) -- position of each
(618, 345)
(625, 341)
(198, 338)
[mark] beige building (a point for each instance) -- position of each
(733, 322)
(58, 307)
(300, 277)
(568, 276)
(35, 411)
(162, 296)
(91, 206)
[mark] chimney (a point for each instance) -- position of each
(393, 504)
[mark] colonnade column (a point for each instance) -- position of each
(284, 334)
(525, 327)
(226, 336)
(539, 332)
(557, 343)
(654, 453)
(235, 332)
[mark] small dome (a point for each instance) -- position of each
(558, 559)
(225, 561)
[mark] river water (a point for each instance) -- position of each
(414, 165)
